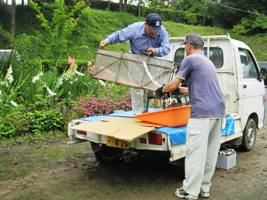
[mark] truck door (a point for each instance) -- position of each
(252, 88)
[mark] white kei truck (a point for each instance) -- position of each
(244, 94)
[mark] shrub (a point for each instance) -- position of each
(5, 38)
(45, 120)
(256, 23)
(102, 106)
(166, 13)
(7, 129)
(21, 122)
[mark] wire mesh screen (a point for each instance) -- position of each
(133, 70)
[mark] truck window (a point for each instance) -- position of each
(249, 68)
(215, 55)
(4, 56)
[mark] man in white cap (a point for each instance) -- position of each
(150, 38)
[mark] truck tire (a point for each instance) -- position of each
(106, 155)
(179, 168)
(249, 135)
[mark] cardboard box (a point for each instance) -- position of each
(226, 159)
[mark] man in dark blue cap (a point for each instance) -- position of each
(150, 38)
(205, 123)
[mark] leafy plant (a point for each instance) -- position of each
(45, 120)
(5, 38)
(7, 129)
(56, 34)
(256, 23)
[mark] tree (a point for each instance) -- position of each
(123, 5)
(157, 3)
(13, 18)
(230, 12)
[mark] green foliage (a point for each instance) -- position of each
(166, 13)
(7, 129)
(12, 122)
(53, 40)
(157, 3)
(184, 11)
(20, 121)
(46, 51)
(252, 25)
(45, 120)
(257, 43)
(5, 38)
(94, 27)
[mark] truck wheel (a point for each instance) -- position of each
(106, 154)
(179, 168)
(249, 135)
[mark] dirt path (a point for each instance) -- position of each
(58, 171)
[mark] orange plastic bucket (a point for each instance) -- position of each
(176, 116)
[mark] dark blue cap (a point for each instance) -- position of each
(154, 20)
(195, 39)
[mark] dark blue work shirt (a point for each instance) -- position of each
(204, 91)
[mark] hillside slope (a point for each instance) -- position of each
(99, 23)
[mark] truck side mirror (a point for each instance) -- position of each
(263, 75)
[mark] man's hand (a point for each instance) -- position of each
(159, 92)
(183, 90)
(90, 67)
(151, 51)
(103, 43)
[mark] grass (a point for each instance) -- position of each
(101, 23)
(257, 43)
(34, 139)
(178, 29)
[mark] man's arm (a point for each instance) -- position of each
(164, 47)
(172, 86)
(121, 36)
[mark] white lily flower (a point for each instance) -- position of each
(59, 81)
(5, 83)
(50, 92)
(102, 83)
(9, 78)
(36, 78)
(79, 73)
(13, 103)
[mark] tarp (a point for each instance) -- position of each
(177, 135)
(229, 128)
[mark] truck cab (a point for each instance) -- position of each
(244, 93)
